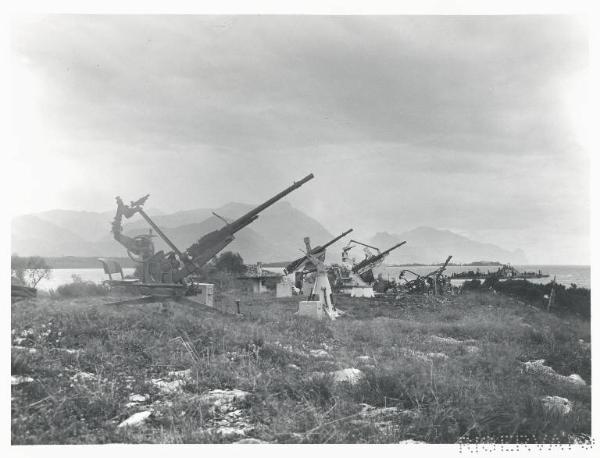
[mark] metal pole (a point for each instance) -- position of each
(161, 233)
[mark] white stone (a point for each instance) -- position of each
(83, 377)
(168, 386)
(138, 397)
(185, 374)
(319, 354)
(350, 375)
(411, 441)
(364, 359)
(18, 379)
(293, 366)
(557, 405)
(220, 398)
(538, 367)
(576, 379)
(137, 419)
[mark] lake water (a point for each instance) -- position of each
(580, 275)
(61, 276)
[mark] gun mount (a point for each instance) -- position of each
(172, 268)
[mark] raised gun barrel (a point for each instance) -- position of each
(212, 243)
(373, 261)
(440, 270)
(243, 221)
(292, 266)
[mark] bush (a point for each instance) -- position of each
(80, 288)
(230, 262)
(471, 284)
(572, 299)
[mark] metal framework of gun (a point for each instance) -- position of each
(317, 251)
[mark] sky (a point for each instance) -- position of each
(474, 124)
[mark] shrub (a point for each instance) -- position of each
(80, 288)
(471, 284)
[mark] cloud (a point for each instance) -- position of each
(454, 121)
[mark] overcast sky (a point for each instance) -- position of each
(472, 124)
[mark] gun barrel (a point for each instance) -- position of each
(383, 253)
(375, 259)
(242, 221)
(332, 241)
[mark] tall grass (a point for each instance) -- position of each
(266, 351)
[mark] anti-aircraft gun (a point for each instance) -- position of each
(303, 266)
(356, 278)
(318, 251)
(434, 282)
(364, 268)
(173, 268)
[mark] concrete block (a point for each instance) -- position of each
(284, 289)
(312, 309)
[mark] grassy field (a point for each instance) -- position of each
(433, 370)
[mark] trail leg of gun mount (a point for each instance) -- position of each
(135, 300)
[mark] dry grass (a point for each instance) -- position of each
(471, 394)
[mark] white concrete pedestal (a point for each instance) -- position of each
(283, 289)
(311, 309)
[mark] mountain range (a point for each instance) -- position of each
(277, 235)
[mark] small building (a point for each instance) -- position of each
(259, 279)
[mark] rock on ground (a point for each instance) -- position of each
(136, 419)
(538, 366)
(168, 386)
(350, 375)
(557, 405)
(223, 398)
(411, 441)
(138, 397)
